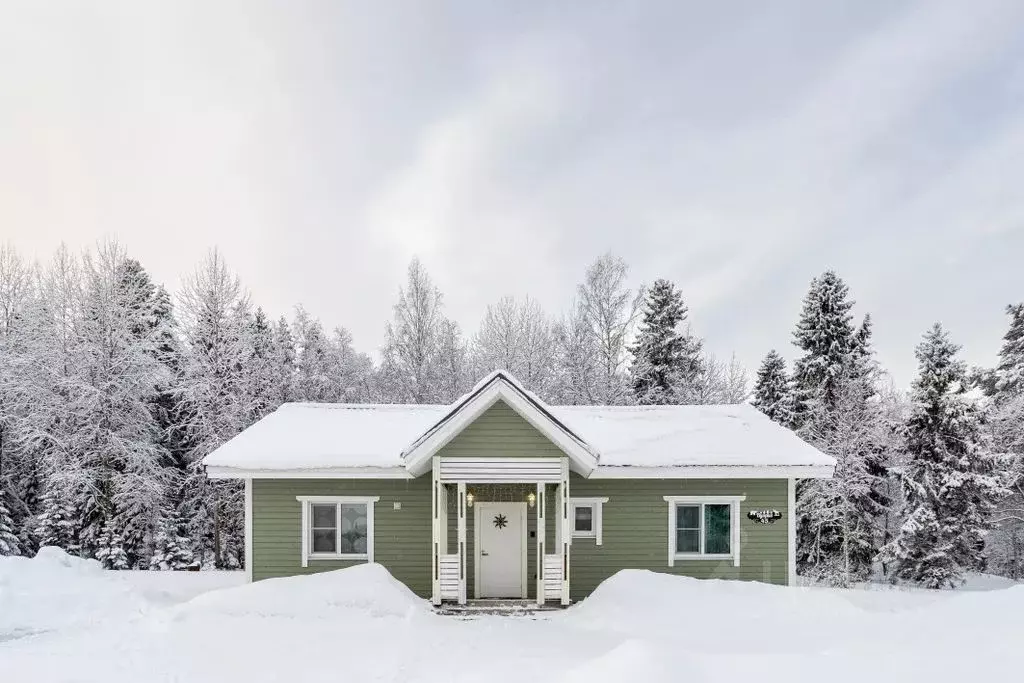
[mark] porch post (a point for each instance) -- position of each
(435, 561)
(541, 537)
(566, 530)
(462, 543)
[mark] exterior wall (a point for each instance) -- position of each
(635, 530)
(500, 433)
(401, 537)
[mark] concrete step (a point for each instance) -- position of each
(506, 608)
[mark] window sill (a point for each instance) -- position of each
(698, 556)
(584, 534)
(355, 558)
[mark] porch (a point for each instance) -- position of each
(501, 530)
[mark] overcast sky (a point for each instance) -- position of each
(736, 149)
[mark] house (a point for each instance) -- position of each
(502, 496)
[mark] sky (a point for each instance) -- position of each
(736, 148)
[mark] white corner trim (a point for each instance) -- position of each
(597, 506)
(734, 527)
(248, 530)
(417, 455)
(308, 554)
(791, 530)
(713, 472)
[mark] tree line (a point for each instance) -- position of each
(112, 391)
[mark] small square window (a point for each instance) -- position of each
(586, 514)
(337, 528)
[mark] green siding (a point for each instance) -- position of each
(635, 530)
(500, 432)
(401, 537)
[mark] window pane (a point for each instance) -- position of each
(687, 541)
(584, 518)
(323, 516)
(323, 541)
(353, 528)
(716, 529)
(688, 517)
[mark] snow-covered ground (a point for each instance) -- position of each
(63, 619)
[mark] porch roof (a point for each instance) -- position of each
(300, 438)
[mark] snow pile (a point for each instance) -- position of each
(366, 589)
(55, 590)
(645, 603)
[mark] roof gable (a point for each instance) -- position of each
(494, 388)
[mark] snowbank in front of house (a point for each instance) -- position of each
(650, 604)
(367, 589)
(55, 590)
(362, 624)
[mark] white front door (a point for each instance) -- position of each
(500, 550)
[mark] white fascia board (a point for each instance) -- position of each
(419, 455)
(715, 472)
(216, 472)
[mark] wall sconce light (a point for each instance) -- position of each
(469, 498)
(531, 499)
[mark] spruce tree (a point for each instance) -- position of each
(772, 393)
(951, 482)
(171, 550)
(56, 523)
(666, 358)
(826, 336)
(1010, 371)
(9, 543)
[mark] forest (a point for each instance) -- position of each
(113, 389)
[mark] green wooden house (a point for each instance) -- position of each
(502, 496)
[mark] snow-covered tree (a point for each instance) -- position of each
(1010, 371)
(951, 482)
(284, 362)
(666, 357)
(409, 367)
(841, 526)
(121, 484)
(216, 403)
(610, 309)
(9, 543)
(56, 522)
(825, 335)
(517, 337)
(171, 549)
(772, 393)
(576, 372)
(453, 379)
(110, 549)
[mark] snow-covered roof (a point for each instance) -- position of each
(300, 439)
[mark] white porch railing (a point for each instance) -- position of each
(449, 577)
(552, 577)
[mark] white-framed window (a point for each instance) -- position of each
(586, 516)
(703, 528)
(337, 528)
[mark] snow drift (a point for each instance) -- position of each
(367, 589)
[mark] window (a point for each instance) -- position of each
(703, 528)
(586, 515)
(337, 528)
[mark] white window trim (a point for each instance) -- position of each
(734, 527)
(307, 518)
(596, 505)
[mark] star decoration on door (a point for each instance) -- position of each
(500, 521)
